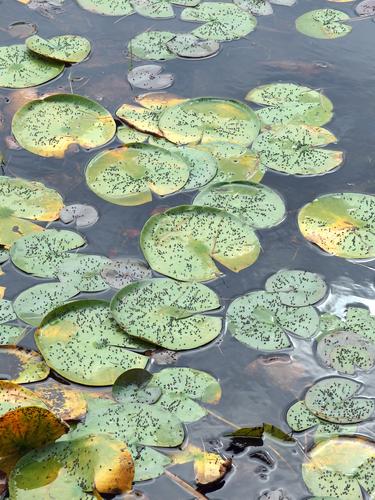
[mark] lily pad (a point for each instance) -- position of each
(342, 224)
(128, 175)
(259, 206)
(223, 21)
(184, 241)
(167, 313)
(108, 7)
(152, 45)
(127, 135)
(291, 104)
(208, 119)
(22, 366)
(149, 463)
(65, 48)
(83, 272)
(6, 311)
(21, 68)
(150, 77)
(49, 126)
(297, 288)
(298, 150)
(65, 402)
(25, 429)
(97, 463)
(82, 342)
(365, 8)
(143, 119)
(191, 47)
(34, 303)
(42, 254)
(122, 272)
(21, 199)
(13, 396)
(11, 334)
(261, 321)
(324, 23)
(81, 215)
(339, 467)
(333, 399)
(131, 387)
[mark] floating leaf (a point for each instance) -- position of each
(149, 463)
(21, 68)
(25, 429)
(145, 120)
(297, 288)
(4, 254)
(126, 135)
(259, 431)
(83, 272)
(261, 321)
(299, 418)
(333, 399)
(21, 366)
(258, 205)
(42, 254)
(159, 9)
(70, 469)
(223, 21)
(166, 313)
(152, 45)
(6, 311)
(158, 101)
(65, 402)
(34, 303)
(46, 8)
(81, 215)
(288, 103)
(298, 150)
(13, 396)
(183, 241)
(11, 335)
(209, 467)
(208, 119)
(339, 467)
(150, 76)
(181, 406)
(108, 7)
(191, 47)
(21, 199)
(49, 126)
(134, 423)
(342, 224)
(365, 8)
(81, 342)
(256, 7)
(235, 162)
(65, 48)
(131, 387)
(128, 175)
(122, 272)
(323, 23)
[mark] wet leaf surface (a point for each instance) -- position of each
(21, 366)
(122, 272)
(150, 77)
(81, 215)
(65, 48)
(324, 24)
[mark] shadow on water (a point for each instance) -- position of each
(256, 388)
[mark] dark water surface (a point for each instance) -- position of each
(256, 388)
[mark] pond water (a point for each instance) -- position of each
(256, 387)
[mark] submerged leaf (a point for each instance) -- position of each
(150, 77)
(66, 48)
(323, 23)
(81, 215)
(122, 272)
(49, 126)
(183, 241)
(166, 313)
(342, 224)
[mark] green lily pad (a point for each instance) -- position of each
(82, 342)
(66, 48)
(108, 7)
(128, 175)
(49, 126)
(167, 313)
(327, 430)
(208, 119)
(235, 162)
(122, 272)
(183, 241)
(333, 399)
(298, 150)
(70, 469)
(181, 406)
(260, 206)
(222, 21)
(127, 135)
(297, 288)
(21, 199)
(255, 7)
(191, 47)
(291, 104)
(159, 9)
(324, 23)
(33, 304)
(134, 423)
(131, 387)
(21, 68)
(13, 396)
(152, 46)
(149, 463)
(22, 366)
(6, 311)
(342, 224)
(261, 321)
(83, 272)
(4, 254)
(11, 335)
(339, 467)
(42, 254)
(144, 120)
